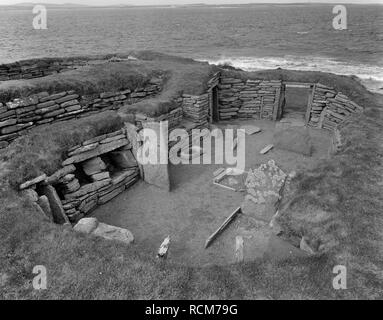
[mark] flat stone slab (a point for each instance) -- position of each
(251, 129)
(54, 178)
(266, 149)
(100, 149)
(88, 189)
(32, 182)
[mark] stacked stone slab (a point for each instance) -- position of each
(229, 100)
(244, 99)
(21, 114)
(196, 108)
(116, 99)
(25, 113)
(330, 108)
(101, 184)
(36, 69)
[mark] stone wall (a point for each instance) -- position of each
(174, 118)
(94, 173)
(244, 99)
(22, 114)
(330, 108)
(29, 69)
(196, 108)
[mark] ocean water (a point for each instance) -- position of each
(253, 37)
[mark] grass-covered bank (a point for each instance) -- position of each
(338, 204)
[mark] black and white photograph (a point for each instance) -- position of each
(191, 158)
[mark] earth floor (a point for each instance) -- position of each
(196, 207)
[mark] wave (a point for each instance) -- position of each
(370, 75)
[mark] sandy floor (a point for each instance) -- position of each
(196, 207)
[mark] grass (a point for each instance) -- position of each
(337, 205)
(87, 80)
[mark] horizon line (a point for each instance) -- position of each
(378, 2)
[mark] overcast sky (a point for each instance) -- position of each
(172, 2)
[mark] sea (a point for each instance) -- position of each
(250, 37)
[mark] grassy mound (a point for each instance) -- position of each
(102, 75)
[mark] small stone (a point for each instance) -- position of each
(86, 225)
(93, 166)
(305, 246)
(67, 178)
(72, 186)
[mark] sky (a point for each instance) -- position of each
(179, 2)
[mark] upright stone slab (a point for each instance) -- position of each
(133, 137)
(57, 209)
(43, 202)
(158, 174)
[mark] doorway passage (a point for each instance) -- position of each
(297, 101)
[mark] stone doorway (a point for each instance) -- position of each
(298, 97)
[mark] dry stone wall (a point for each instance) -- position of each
(174, 118)
(244, 99)
(330, 108)
(22, 114)
(196, 108)
(37, 68)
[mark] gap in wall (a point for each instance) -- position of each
(296, 100)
